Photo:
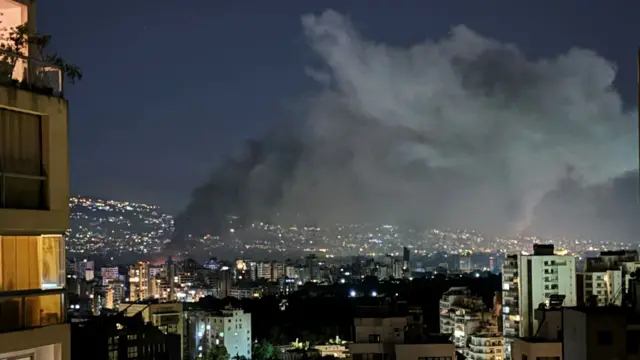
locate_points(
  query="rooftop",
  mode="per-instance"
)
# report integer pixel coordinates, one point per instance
(538, 340)
(429, 339)
(628, 313)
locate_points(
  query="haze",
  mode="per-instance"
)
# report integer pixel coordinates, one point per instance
(462, 131)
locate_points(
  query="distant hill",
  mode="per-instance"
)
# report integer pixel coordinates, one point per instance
(111, 227)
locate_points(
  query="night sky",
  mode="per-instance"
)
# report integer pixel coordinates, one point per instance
(171, 88)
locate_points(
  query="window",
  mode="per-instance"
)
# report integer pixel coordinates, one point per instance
(31, 262)
(31, 311)
(132, 352)
(22, 178)
(605, 338)
(374, 338)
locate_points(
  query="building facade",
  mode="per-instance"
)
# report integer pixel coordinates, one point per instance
(34, 199)
(229, 327)
(530, 281)
(386, 338)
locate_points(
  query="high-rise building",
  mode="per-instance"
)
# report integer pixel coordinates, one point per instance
(277, 270)
(531, 280)
(406, 257)
(34, 199)
(263, 270)
(139, 277)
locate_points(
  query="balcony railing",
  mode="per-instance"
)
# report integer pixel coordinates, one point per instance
(30, 74)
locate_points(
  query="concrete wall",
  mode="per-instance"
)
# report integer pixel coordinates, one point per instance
(535, 350)
(391, 330)
(416, 351)
(581, 334)
(54, 113)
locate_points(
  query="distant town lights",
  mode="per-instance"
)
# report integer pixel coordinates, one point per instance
(342, 281)
(352, 293)
(374, 293)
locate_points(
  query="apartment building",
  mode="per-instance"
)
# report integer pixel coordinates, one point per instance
(532, 280)
(456, 303)
(140, 281)
(168, 317)
(34, 199)
(385, 338)
(485, 346)
(606, 278)
(230, 327)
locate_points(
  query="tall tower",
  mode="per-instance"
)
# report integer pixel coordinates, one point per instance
(34, 199)
(172, 276)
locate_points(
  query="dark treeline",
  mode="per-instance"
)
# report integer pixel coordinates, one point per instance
(319, 313)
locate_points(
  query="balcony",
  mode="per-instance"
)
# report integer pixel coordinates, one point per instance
(30, 74)
(28, 310)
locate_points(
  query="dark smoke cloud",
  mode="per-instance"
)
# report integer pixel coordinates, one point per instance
(465, 132)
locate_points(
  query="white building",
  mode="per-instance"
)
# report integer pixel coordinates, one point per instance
(604, 286)
(605, 278)
(531, 280)
(229, 327)
(454, 295)
(486, 346)
(455, 304)
(468, 322)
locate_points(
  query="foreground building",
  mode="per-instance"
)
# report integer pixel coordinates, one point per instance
(229, 327)
(530, 281)
(167, 317)
(582, 333)
(119, 337)
(34, 200)
(385, 338)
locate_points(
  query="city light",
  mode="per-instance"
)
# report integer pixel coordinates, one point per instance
(352, 293)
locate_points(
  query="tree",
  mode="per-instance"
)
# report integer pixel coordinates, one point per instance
(239, 357)
(263, 351)
(217, 352)
(15, 46)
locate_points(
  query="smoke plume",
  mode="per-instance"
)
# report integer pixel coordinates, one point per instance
(465, 131)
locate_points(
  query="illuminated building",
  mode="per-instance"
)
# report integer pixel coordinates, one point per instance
(34, 199)
(229, 327)
(166, 316)
(485, 346)
(532, 280)
(139, 277)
